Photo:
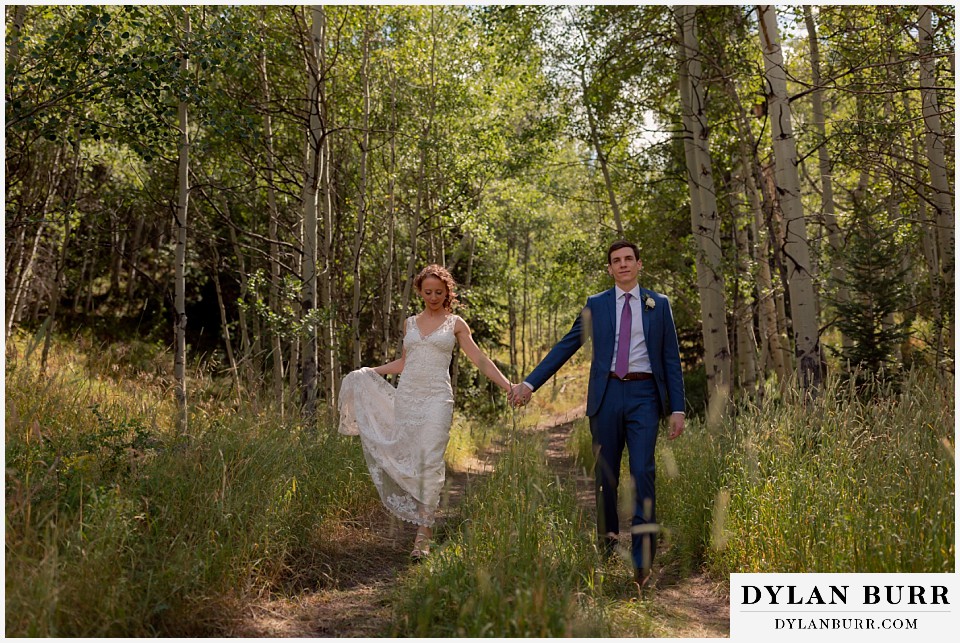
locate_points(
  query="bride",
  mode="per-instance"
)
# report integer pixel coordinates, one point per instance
(404, 431)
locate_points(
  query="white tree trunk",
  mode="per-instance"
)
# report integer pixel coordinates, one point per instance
(328, 351)
(803, 303)
(772, 348)
(422, 191)
(940, 196)
(56, 289)
(24, 275)
(274, 302)
(746, 339)
(134, 260)
(13, 38)
(834, 236)
(225, 326)
(704, 217)
(311, 187)
(247, 361)
(180, 329)
(771, 343)
(388, 327)
(362, 202)
(772, 223)
(601, 156)
(27, 260)
(924, 222)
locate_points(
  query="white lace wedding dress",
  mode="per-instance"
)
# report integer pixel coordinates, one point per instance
(404, 431)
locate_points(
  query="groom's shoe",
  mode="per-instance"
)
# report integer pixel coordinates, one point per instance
(608, 546)
(642, 579)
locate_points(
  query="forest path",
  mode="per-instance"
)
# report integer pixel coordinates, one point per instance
(352, 596)
(693, 606)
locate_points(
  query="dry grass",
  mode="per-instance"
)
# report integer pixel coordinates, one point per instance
(115, 526)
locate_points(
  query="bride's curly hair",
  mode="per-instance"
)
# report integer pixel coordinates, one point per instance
(441, 273)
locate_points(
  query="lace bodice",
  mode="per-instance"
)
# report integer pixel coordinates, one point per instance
(427, 364)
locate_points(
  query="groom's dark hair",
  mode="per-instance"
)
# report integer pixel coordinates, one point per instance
(617, 245)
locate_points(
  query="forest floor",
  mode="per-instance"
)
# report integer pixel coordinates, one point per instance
(354, 599)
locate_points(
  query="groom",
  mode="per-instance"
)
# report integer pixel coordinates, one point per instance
(635, 378)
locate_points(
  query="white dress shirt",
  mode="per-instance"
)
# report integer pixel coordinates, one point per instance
(639, 358)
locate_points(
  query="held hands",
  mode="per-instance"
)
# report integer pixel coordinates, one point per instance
(519, 395)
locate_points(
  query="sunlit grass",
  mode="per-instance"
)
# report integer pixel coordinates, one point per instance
(560, 396)
(468, 440)
(562, 393)
(520, 560)
(116, 527)
(843, 483)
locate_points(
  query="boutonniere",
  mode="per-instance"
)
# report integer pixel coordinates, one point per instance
(649, 303)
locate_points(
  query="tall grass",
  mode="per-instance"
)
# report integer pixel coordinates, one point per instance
(847, 482)
(114, 527)
(521, 561)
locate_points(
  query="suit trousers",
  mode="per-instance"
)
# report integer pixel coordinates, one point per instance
(628, 415)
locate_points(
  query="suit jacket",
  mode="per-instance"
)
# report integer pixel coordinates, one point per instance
(598, 319)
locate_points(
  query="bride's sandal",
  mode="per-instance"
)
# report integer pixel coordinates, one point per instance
(421, 546)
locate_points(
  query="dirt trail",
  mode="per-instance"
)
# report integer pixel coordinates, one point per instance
(684, 606)
(352, 599)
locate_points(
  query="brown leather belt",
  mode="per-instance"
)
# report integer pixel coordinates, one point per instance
(632, 376)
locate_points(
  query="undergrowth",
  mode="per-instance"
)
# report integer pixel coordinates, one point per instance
(852, 480)
(117, 526)
(521, 560)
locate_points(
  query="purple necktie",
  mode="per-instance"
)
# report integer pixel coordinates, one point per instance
(623, 342)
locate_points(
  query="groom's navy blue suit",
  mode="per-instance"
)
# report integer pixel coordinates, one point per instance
(624, 411)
